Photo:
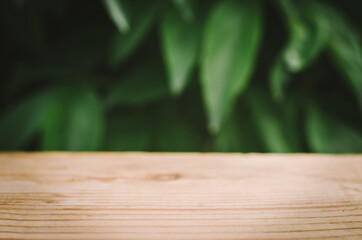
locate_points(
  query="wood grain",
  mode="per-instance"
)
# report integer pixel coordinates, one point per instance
(180, 196)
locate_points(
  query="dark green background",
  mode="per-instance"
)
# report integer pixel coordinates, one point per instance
(72, 81)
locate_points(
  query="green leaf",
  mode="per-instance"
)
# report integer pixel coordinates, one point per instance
(127, 132)
(271, 124)
(328, 134)
(185, 8)
(229, 139)
(19, 124)
(145, 85)
(308, 33)
(345, 48)
(280, 75)
(308, 30)
(238, 135)
(229, 48)
(121, 45)
(74, 122)
(180, 47)
(117, 14)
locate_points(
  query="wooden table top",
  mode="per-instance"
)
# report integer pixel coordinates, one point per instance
(180, 196)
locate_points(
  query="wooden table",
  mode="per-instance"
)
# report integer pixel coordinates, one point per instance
(180, 196)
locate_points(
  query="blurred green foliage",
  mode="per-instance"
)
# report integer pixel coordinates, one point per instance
(181, 75)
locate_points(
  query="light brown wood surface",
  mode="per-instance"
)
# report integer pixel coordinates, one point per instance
(180, 196)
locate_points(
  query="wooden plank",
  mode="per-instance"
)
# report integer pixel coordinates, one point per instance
(180, 196)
